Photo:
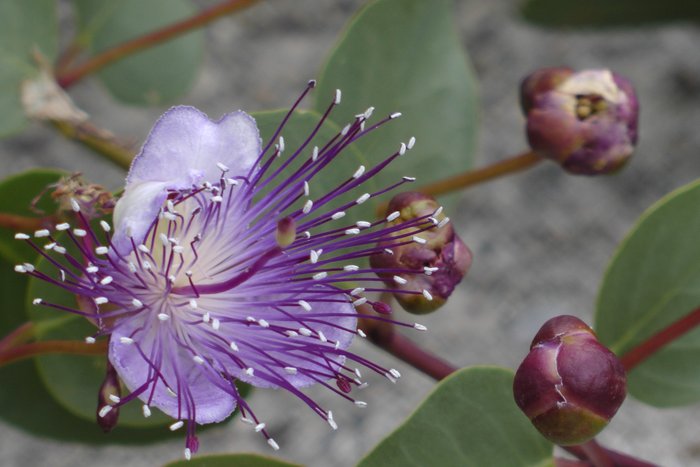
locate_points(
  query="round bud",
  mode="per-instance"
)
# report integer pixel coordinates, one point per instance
(569, 385)
(586, 121)
(438, 259)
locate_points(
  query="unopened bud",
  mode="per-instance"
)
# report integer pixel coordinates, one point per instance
(108, 396)
(569, 385)
(586, 121)
(286, 232)
(438, 256)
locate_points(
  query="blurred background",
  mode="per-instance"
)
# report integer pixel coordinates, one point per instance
(541, 240)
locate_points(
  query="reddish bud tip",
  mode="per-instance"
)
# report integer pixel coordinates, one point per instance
(286, 232)
(108, 400)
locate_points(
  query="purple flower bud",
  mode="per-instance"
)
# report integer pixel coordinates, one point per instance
(108, 400)
(569, 385)
(586, 120)
(422, 267)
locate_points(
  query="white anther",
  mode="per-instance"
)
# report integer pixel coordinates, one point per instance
(101, 250)
(390, 377)
(146, 265)
(361, 333)
(163, 239)
(359, 172)
(363, 198)
(37, 301)
(353, 231)
(427, 295)
(114, 398)
(443, 222)
(368, 112)
(250, 319)
(146, 410)
(345, 130)
(74, 205)
(400, 280)
(92, 269)
(428, 270)
(361, 404)
(305, 305)
(42, 233)
(20, 269)
(231, 182)
(79, 232)
(290, 370)
(419, 240)
(177, 425)
(322, 337)
(338, 215)
(50, 246)
(291, 333)
(101, 300)
(59, 249)
(357, 291)
(305, 332)
(319, 276)
(263, 323)
(393, 216)
(250, 371)
(193, 303)
(395, 373)
(104, 411)
(360, 301)
(198, 360)
(247, 420)
(105, 226)
(395, 115)
(206, 317)
(311, 83)
(306, 234)
(437, 212)
(222, 167)
(179, 249)
(63, 275)
(314, 153)
(363, 224)
(215, 324)
(351, 267)
(313, 256)
(307, 206)
(126, 340)
(188, 454)
(331, 422)
(408, 179)
(402, 149)
(420, 327)
(62, 227)
(388, 251)
(307, 189)
(106, 280)
(337, 345)
(170, 392)
(357, 372)
(170, 216)
(234, 347)
(411, 142)
(136, 303)
(273, 444)
(217, 199)
(362, 385)
(259, 427)
(29, 267)
(22, 236)
(338, 95)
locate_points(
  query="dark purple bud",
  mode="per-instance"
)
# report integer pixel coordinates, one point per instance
(431, 264)
(344, 385)
(569, 385)
(108, 399)
(381, 308)
(586, 121)
(286, 232)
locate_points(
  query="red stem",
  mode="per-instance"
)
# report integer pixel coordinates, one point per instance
(18, 223)
(638, 354)
(21, 352)
(407, 350)
(22, 334)
(69, 77)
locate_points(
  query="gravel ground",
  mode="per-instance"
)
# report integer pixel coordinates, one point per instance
(541, 240)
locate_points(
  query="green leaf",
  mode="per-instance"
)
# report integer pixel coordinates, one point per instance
(157, 75)
(295, 132)
(17, 195)
(606, 13)
(229, 460)
(405, 56)
(470, 419)
(24, 26)
(652, 281)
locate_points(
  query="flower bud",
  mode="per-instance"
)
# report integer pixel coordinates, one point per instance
(107, 400)
(569, 385)
(440, 258)
(586, 121)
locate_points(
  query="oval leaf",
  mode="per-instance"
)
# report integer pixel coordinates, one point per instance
(606, 13)
(652, 281)
(470, 419)
(24, 27)
(156, 75)
(228, 460)
(405, 56)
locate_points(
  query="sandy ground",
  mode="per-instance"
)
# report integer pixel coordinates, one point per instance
(541, 240)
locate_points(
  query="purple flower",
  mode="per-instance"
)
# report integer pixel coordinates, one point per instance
(220, 267)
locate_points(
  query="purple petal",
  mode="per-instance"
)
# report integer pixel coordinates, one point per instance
(212, 403)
